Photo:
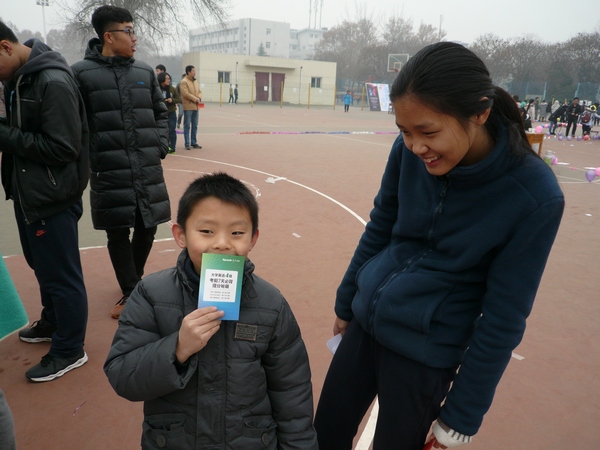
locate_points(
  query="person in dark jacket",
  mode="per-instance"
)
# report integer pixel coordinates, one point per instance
(207, 383)
(555, 117)
(172, 99)
(44, 145)
(573, 112)
(448, 267)
(129, 137)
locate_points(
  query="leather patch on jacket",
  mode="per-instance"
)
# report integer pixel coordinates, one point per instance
(245, 332)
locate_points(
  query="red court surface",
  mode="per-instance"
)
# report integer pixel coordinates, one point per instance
(315, 191)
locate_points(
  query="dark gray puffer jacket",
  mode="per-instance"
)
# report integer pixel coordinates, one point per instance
(249, 388)
(129, 137)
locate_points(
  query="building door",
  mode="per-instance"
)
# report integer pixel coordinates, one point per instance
(276, 80)
(262, 86)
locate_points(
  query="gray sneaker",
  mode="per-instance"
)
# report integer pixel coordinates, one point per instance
(39, 331)
(51, 367)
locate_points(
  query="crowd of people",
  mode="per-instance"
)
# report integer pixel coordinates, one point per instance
(417, 303)
(572, 114)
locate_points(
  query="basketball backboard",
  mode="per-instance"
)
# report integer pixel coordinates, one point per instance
(396, 61)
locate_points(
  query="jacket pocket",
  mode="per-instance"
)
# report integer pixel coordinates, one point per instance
(164, 431)
(262, 432)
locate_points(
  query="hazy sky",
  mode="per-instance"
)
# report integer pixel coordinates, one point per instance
(463, 20)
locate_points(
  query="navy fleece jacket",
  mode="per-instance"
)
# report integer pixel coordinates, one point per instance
(454, 262)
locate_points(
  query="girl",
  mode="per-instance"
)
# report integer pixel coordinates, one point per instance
(171, 98)
(447, 269)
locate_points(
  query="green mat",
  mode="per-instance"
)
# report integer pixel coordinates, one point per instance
(12, 312)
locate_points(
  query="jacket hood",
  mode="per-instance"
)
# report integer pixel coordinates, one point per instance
(94, 52)
(42, 58)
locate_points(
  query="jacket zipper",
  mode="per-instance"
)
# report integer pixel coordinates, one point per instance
(436, 212)
(18, 101)
(52, 179)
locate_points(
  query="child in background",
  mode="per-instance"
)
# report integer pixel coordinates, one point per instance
(207, 383)
(448, 267)
(347, 101)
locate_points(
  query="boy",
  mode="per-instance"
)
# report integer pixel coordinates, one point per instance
(44, 148)
(129, 137)
(251, 377)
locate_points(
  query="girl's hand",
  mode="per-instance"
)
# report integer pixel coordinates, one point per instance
(339, 326)
(433, 443)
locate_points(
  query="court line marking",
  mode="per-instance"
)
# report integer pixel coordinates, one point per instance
(331, 199)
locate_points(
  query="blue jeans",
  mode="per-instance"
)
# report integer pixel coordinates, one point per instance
(51, 248)
(179, 114)
(172, 129)
(190, 118)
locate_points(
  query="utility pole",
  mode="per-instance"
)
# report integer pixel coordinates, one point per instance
(43, 4)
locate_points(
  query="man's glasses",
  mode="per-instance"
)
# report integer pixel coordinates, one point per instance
(129, 31)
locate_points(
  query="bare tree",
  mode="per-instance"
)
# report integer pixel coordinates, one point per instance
(159, 21)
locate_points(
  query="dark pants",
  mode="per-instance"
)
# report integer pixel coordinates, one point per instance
(571, 122)
(51, 248)
(410, 395)
(230, 98)
(172, 118)
(346, 108)
(586, 129)
(129, 257)
(553, 126)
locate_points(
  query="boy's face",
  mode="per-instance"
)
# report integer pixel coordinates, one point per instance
(120, 40)
(9, 61)
(216, 227)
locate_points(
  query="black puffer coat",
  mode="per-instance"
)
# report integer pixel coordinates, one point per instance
(248, 389)
(129, 137)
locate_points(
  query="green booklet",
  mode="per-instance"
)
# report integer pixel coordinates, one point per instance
(221, 283)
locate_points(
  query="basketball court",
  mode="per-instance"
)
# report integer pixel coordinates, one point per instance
(315, 173)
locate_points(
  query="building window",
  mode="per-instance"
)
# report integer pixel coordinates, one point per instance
(224, 77)
(268, 45)
(268, 31)
(315, 82)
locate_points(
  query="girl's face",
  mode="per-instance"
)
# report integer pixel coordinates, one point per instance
(167, 81)
(440, 140)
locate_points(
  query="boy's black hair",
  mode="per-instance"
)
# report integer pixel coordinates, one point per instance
(188, 69)
(221, 186)
(6, 34)
(106, 16)
(161, 67)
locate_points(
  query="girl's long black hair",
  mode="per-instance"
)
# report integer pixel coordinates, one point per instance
(451, 79)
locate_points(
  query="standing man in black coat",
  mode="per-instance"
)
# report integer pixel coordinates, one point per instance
(44, 146)
(129, 137)
(573, 112)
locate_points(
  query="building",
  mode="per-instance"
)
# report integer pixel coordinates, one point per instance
(303, 42)
(249, 36)
(243, 37)
(263, 78)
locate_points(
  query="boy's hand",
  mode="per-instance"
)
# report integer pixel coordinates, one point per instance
(196, 329)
